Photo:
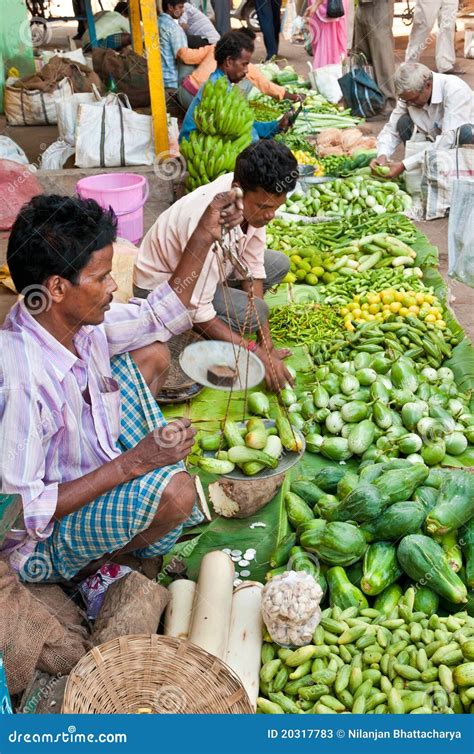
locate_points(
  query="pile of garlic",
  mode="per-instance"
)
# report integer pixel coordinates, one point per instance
(290, 608)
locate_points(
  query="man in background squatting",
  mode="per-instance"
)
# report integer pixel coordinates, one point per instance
(83, 440)
(265, 172)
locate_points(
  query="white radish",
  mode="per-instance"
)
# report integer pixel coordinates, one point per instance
(210, 619)
(179, 609)
(245, 636)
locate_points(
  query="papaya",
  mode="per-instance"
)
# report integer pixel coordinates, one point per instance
(297, 510)
(349, 481)
(466, 540)
(337, 543)
(424, 561)
(307, 490)
(371, 472)
(427, 496)
(342, 593)
(400, 484)
(354, 572)
(397, 520)
(426, 601)
(454, 506)
(388, 600)
(328, 477)
(381, 567)
(364, 503)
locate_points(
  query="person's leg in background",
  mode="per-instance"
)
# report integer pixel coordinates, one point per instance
(222, 15)
(265, 18)
(79, 10)
(425, 15)
(350, 24)
(276, 12)
(445, 42)
(373, 35)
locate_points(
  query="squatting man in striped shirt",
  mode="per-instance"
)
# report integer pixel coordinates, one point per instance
(83, 441)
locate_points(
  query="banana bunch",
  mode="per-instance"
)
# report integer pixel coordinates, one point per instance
(208, 156)
(224, 128)
(223, 110)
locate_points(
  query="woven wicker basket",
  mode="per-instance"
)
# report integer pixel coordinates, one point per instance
(158, 674)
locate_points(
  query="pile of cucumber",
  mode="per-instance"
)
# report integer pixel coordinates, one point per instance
(375, 408)
(253, 448)
(391, 658)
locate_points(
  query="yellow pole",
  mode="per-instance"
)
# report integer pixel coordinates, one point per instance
(155, 76)
(134, 9)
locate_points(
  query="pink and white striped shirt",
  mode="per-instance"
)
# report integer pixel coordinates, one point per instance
(48, 433)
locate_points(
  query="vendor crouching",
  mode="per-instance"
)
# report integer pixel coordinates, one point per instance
(83, 440)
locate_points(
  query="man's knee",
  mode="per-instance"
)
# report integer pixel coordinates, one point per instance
(405, 127)
(154, 362)
(178, 498)
(277, 265)
(466, 134)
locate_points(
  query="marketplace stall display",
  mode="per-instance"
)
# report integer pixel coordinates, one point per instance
(371, 533)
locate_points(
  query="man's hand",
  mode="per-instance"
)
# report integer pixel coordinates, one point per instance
(294, 97)
(276, 373)
(396, 169)
(378, 161)
(225, 211)
(164, 446)
(285, 122)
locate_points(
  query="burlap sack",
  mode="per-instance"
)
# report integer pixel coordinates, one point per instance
(47, 79)
(128, 70)
(40, 627)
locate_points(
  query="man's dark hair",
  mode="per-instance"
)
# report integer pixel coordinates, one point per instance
(122, 8)
(231, 44)
(268, 165)
(171, 4)
(247, 32)
(57, 235)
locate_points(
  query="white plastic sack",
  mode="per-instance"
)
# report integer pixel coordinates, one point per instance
(461, 233)
(440, 170)
(289, 20)
(29, 107)
(67, 108)
(110, 134)
(9, 150)
(54, 157)
(325, 81)
(77, 56)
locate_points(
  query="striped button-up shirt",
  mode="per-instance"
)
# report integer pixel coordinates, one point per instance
(49, 434)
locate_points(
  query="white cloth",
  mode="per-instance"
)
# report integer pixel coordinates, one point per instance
(426, 13)
(107, 23)
(198, 24)
(451, 105)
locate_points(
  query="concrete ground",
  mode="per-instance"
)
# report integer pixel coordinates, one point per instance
(35, 139)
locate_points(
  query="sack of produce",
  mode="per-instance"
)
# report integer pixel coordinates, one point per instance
(290, 608)
(461, 232)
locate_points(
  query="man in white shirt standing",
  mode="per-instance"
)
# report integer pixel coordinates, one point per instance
(437, 104)
(426, 13)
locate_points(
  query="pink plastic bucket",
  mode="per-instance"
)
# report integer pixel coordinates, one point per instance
(126, 193)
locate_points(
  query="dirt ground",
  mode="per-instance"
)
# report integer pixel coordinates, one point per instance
(35, 139)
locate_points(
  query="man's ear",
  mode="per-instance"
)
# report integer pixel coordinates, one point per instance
(57, 288)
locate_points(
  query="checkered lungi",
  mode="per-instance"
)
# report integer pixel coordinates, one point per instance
(112, 520)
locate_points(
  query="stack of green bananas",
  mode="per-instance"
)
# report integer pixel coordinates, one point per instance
(208, 157)
(223, 110)
(224, 128)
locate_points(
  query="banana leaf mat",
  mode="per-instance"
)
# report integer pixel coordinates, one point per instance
(208, 409)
